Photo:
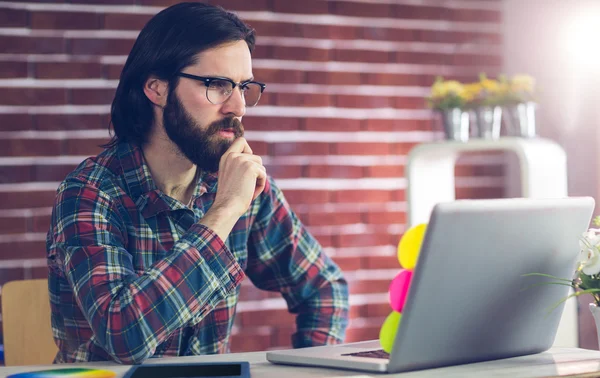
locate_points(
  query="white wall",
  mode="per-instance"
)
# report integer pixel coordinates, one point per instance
(558, 42)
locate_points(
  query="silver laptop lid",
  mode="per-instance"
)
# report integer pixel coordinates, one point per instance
(448, 320)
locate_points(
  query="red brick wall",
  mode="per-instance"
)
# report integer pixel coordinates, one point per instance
(344, 105)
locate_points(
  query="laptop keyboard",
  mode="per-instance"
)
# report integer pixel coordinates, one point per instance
(371, 354)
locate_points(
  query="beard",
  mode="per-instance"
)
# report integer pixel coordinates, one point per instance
(201, 145)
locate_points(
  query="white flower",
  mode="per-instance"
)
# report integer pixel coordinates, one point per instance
(589, 256)
(590, 238)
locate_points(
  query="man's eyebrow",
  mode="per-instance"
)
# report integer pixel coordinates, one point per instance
(251, 79)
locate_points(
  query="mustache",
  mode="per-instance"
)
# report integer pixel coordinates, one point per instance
(229, 123)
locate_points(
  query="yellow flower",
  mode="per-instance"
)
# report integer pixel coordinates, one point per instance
(441, 89)
(490, 86)
(522, 83)
(471, 91)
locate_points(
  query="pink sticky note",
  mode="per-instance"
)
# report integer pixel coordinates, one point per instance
(399, 289)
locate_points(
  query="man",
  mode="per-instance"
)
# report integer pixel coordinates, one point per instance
(150, 239)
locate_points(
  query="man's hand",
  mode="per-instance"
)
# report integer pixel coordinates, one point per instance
(242, 178)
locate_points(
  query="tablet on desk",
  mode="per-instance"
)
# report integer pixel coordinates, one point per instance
(191, 370)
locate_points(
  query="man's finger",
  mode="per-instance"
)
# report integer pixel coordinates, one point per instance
(239, 145)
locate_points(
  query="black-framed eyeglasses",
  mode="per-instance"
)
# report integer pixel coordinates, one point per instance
(219, 89)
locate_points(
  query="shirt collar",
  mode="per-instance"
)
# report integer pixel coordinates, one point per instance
(142, 189)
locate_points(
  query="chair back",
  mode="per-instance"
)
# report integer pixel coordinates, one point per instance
(26, 325)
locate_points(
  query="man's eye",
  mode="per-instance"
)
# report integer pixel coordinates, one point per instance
(220, 85)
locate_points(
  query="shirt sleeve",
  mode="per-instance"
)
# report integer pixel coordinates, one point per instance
(131, 314)
(283, 256)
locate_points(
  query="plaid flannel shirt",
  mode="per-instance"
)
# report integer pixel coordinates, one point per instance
(133, 275)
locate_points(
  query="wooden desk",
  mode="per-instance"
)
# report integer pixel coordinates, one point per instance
(556, 362)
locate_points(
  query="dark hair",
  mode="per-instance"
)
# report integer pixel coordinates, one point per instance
(168, 43)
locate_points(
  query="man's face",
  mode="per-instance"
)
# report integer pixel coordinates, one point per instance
(201, 130)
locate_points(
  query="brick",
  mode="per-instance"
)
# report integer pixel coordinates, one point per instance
(477, 15)
(258, 148)
(363, 240)
(345, 32)
(84, 147)
(297, 197)
(304, 7)
(51, 173)
(257, 318)
(115, 2)
(11, 274)
(325, 241)
(16, 122)
(388, 34)
(256, 123)
(298, 148)
(334, 171)
(274, 28)
(13, 18)
(333, 78)
(371, 102)
(301, 53)
(385, 171)
(13, 225)
(284, 171)
(95, 96)
(279, 76)
(332, 124)
(113, 71)
(65, 20)
(268, 98)
(332, 219)
(396, 125)
(409, 103)
(403, 148)
(392, 79)
(349, 8)
(22, 250)
(357, 311)
(236, 5)
(40, 223)
(399, 195)
(363, 56)
(409, 57)
(29, 147)
(348, 264)
(363, 196)
(282, 337)
(263, 52)
(70, 121)
(367, 333)
(479, 193)
(369, 286)
(106, 46)
(420, 12)
(33, 96)
(38, 272)
(381, 262)
(475, 60)
(23, 199)
(68, 70)
(385, 217)
(249, 341)
(357, 148)
(13, 70)
(249, 292)
(125, 21)
(375, 310)
(14, 174)
(303, 99)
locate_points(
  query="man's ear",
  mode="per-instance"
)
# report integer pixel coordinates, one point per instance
(156, 90)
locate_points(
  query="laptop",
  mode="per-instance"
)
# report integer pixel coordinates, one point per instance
(469, 300)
